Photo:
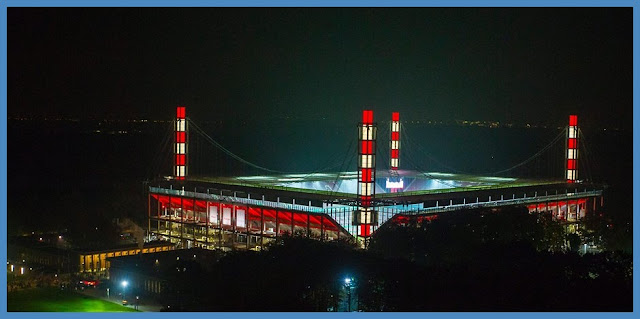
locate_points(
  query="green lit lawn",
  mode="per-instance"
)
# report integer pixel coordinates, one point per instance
(54, 300)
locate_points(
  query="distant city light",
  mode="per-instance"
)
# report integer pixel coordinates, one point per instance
(125, 283)
(347, 281)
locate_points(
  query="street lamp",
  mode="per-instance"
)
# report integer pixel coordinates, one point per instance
(124, 286)
(347, 285)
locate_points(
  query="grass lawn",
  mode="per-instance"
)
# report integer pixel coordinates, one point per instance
(55, 300)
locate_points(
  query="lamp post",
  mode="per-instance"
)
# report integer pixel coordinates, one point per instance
(348, 284)
(124, 286)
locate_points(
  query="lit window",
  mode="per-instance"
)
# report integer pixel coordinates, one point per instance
(367, 132)
(180, 148)
(226, 216)
(366, 215)
(572, 132)
(180, 125)
(213, 214)
(366, 161)
(365, 189)
(240, 220)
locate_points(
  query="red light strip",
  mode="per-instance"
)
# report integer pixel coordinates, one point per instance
(181, 112)
(367, 117)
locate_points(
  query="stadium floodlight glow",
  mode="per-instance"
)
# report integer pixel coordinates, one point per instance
(571, 153)
(499, 179)
(439, 174)
(250, 178)
(181, 144)
(290, 179)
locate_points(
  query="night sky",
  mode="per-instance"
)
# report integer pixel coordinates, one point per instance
(516, 65)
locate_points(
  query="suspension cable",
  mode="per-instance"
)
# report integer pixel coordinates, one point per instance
(587, 155)
(160, 157)
(552, 143)
(240, 159)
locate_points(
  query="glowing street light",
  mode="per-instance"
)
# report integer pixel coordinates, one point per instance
(348, 283)
(124, 284)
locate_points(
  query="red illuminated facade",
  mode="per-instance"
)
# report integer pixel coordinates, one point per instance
(572, 149)
(180, 146)
(365, 217)
(570, 210)
(227, 225)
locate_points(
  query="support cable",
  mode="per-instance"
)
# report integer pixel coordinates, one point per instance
(552, 143)
(240, 159)
(587, 155)
(161, 157)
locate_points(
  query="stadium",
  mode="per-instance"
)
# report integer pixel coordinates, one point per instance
(249, 212)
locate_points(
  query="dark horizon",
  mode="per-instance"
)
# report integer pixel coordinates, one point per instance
(488, 64)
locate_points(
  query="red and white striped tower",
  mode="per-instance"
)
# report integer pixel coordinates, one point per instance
(572, 149)
(366, 216)
(395, 141)
(394, 182)
(180, 147)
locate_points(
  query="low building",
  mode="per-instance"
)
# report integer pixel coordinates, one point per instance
(76, 260)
